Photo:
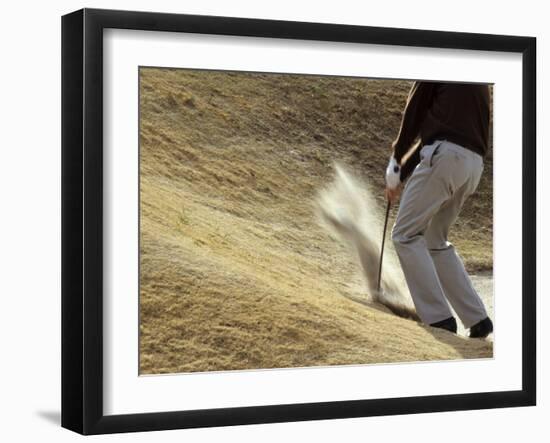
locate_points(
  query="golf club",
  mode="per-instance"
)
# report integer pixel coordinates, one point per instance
(382, 248)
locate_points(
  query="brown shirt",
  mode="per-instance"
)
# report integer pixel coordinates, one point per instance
(457, 112)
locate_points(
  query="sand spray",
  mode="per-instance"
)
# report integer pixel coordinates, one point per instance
(348, 208)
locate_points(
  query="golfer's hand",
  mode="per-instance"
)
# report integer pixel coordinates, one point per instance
(392, 194)
(393, 180)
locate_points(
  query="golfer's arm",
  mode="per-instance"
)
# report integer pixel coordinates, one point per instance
(408, 167)
(418, 102)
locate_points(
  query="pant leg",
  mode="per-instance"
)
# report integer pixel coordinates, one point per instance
(431, 185)
(454, 279)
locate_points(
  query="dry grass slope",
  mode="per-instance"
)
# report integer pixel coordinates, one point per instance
(236, 272)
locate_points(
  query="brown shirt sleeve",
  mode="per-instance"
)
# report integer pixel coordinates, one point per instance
(408, 167)
(419, 101)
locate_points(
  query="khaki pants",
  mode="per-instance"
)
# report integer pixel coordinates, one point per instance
(431, 201)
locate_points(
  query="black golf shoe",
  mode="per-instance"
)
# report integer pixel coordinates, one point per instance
(448, 324)
(481, 329)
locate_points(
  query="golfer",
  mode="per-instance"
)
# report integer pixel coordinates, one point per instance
(451, 120)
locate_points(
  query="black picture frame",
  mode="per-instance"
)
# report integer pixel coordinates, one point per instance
(82, 218)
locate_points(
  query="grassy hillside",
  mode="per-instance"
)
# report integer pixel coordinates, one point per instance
(236, 272)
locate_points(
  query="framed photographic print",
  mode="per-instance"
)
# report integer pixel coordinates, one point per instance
(267, 221)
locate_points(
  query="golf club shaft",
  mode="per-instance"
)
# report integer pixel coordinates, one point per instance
(383, 241)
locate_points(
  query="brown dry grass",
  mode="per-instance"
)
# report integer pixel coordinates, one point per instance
(236, 273)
